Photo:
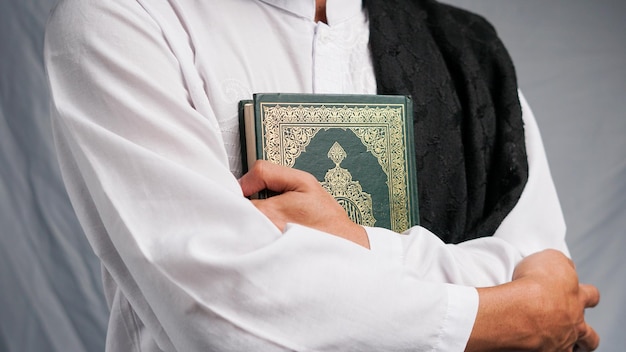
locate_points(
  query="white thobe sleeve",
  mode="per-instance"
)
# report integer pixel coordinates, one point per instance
(534, 224)
(200, 267)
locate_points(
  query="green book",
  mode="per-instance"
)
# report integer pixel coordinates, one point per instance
(359, 147)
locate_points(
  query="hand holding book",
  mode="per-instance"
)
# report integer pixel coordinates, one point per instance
(302, 200)
(358, 147)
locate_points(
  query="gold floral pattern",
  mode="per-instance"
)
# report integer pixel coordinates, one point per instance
(348, 193)
(288, 128)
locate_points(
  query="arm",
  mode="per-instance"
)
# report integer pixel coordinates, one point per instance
(535, 319)
(198, 265)
(147, 173)
(541, 309)
(536, 223)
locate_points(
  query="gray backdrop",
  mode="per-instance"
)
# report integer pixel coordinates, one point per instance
(570, 56)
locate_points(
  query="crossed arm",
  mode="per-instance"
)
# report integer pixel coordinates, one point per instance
(147, 170)
(541, 309)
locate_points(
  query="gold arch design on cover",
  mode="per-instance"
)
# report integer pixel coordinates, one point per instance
(287, 128)
(348, 193)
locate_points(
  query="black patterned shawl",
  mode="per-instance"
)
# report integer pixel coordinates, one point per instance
(470, 149)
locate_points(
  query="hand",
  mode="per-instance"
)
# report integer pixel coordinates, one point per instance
(557, 278)
(302, 200)
(542, 309)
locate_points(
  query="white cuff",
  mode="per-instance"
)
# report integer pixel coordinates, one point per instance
(460, 318)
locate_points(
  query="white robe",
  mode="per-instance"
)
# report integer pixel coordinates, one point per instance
(145, 99)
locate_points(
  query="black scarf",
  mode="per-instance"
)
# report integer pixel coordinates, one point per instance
(470, 149)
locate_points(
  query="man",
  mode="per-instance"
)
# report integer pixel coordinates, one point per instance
(145, 97)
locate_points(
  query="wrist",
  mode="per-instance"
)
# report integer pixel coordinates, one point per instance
(506, 318)
(358, 235)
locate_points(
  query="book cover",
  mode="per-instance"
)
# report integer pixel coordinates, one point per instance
(359, 147)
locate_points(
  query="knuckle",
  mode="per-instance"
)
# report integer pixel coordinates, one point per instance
(582, 329)
(308, 178)
(259, 167)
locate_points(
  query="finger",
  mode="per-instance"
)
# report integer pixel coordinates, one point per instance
(588, 341)
(268, 208)
(253, 181)
(589, 295)
(266, 175)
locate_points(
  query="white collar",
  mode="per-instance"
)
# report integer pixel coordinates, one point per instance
(337, 11)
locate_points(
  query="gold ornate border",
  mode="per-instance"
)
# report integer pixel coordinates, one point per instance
(288, 128)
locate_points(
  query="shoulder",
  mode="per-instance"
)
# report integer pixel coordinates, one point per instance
(463, 31)
(468, 24)
(85, 23)
(468, 18)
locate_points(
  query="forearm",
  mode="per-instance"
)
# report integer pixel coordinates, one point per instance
(542, 309)
(503, 320)
(200, 266)
(478, 263)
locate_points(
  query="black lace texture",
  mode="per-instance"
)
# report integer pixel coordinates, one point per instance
(470, 148)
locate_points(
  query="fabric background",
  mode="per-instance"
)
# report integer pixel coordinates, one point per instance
(571, 62)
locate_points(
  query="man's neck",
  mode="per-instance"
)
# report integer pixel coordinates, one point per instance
(320, 11)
